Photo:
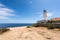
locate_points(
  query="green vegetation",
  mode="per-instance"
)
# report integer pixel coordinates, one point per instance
(28, 26)
(50, 27)
(3, 30)
(36, 25)
(49, 24)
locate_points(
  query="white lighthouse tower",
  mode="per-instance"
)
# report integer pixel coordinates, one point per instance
(45, 15)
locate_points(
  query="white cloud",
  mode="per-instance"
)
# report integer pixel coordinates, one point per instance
(3, 17)
(49, 14)
(1, 5)
(5, 12)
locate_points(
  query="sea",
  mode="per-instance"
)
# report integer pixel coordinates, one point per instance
(9, 25)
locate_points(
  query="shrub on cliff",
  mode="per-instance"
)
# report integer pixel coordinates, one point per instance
(3, 30)
(36, 25)
(28, 26)
(50, 27)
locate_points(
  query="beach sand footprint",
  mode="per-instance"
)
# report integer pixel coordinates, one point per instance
(32, 36)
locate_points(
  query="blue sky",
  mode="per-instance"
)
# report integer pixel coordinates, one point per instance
(27, 11)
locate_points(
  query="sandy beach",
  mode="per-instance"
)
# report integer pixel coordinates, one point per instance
(23, 33)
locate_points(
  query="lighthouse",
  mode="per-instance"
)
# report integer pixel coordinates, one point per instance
(44, 15)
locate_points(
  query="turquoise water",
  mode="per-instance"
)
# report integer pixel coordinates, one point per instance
(7, 25)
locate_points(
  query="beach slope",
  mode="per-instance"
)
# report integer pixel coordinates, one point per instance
(32, 33)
